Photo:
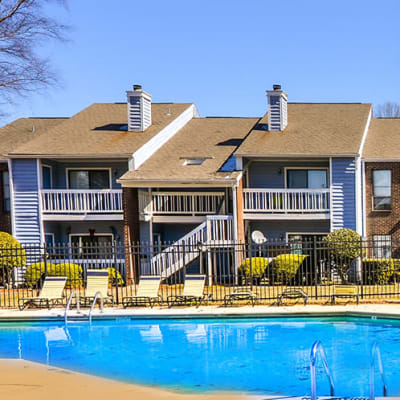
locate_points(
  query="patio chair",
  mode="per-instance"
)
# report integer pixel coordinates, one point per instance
(241, 293)
(345, 291)
(96, 281)
(193, 292)
(292, 293)
(147, 292)
(50, 294)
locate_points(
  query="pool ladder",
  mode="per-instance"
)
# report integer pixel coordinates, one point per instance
(67, 307)
(375, 356)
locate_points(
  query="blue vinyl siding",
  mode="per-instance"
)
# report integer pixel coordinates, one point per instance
(26, 201)
(271, 174)
(343, 185)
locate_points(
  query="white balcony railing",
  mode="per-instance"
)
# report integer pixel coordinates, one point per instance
(277, 201)
(188, 203)
(81, 201)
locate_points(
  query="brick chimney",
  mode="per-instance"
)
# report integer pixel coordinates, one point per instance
(277, 109)
(139, 109)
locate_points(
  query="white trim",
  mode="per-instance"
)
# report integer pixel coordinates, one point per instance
(330, 196)
(156, 142)
(306, 168)
(12, 214)
(51, 175)
(365, 133)
(295, 155)
(359, 180)
(83, 217)
(52, 234)
(239, 163)
(109, 169)
(364, 200)
(74, 156)
(176, 183)
(286, 217)
(39, 197)
(381, 160)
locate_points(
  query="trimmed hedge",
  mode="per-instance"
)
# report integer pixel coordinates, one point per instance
(255, 265)
(285, 266)
(113, 275)
(73, 272)
(12, 254)
(378, 270)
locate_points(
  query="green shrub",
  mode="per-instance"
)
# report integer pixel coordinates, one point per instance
(378, 270)
(113, 275)
(73, 272)
(344, 246)
(254, 266)
(34, 272)
(12, 254)
(285, 266)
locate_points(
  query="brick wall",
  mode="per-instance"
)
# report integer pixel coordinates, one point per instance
(5, 218)
(383, 222)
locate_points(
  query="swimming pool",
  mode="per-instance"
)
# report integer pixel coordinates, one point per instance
(254, 355)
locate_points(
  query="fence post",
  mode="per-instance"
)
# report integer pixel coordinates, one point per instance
(361, 267)
(44, 259)
(116, 270)
(315, 266)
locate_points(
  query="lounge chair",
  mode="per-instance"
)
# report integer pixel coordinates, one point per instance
(292, 293)
(193, 292)
(147, 292)
(345, 291)
(241, 293)
(50, 294)
(96, 281)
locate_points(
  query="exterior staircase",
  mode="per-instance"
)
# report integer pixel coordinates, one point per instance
(215, 231)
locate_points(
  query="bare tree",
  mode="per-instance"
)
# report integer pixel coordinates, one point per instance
(24, 28)
(387, 110)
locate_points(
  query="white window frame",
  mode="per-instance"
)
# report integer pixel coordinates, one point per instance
(391, 190)
(286, 169)
(88, 169)
(88, 234)
(386, 240)
(51, 174)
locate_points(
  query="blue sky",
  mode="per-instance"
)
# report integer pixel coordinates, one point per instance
(222, 55)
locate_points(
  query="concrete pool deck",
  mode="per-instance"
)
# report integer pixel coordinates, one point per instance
(21, 380)
(374, 310)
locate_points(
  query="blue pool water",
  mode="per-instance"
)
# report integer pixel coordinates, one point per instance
(269, 356)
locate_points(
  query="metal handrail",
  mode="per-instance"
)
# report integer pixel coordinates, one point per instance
(94, 303)
(73, 291)
(376, 355)
(68, 305)
(317, 346)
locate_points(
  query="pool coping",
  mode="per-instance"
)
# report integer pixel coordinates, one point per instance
(374, 311)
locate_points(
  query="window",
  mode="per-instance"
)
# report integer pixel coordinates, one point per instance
(193, 161)
(89, 179)
(307, 179)
(382, 189)
(46, 177)
(382, 246)
(5, 179)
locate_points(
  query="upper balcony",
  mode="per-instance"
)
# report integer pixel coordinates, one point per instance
(55, 202)
(286, 203)
(190, 205)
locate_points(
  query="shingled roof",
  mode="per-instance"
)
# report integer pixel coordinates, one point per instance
(100, 129)
(211, 139)
(314, 129)
(383, 140)
(22, 131)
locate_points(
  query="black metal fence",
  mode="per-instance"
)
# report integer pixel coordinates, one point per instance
(311, 264)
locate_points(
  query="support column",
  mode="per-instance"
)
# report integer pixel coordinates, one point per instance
(130, 200)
